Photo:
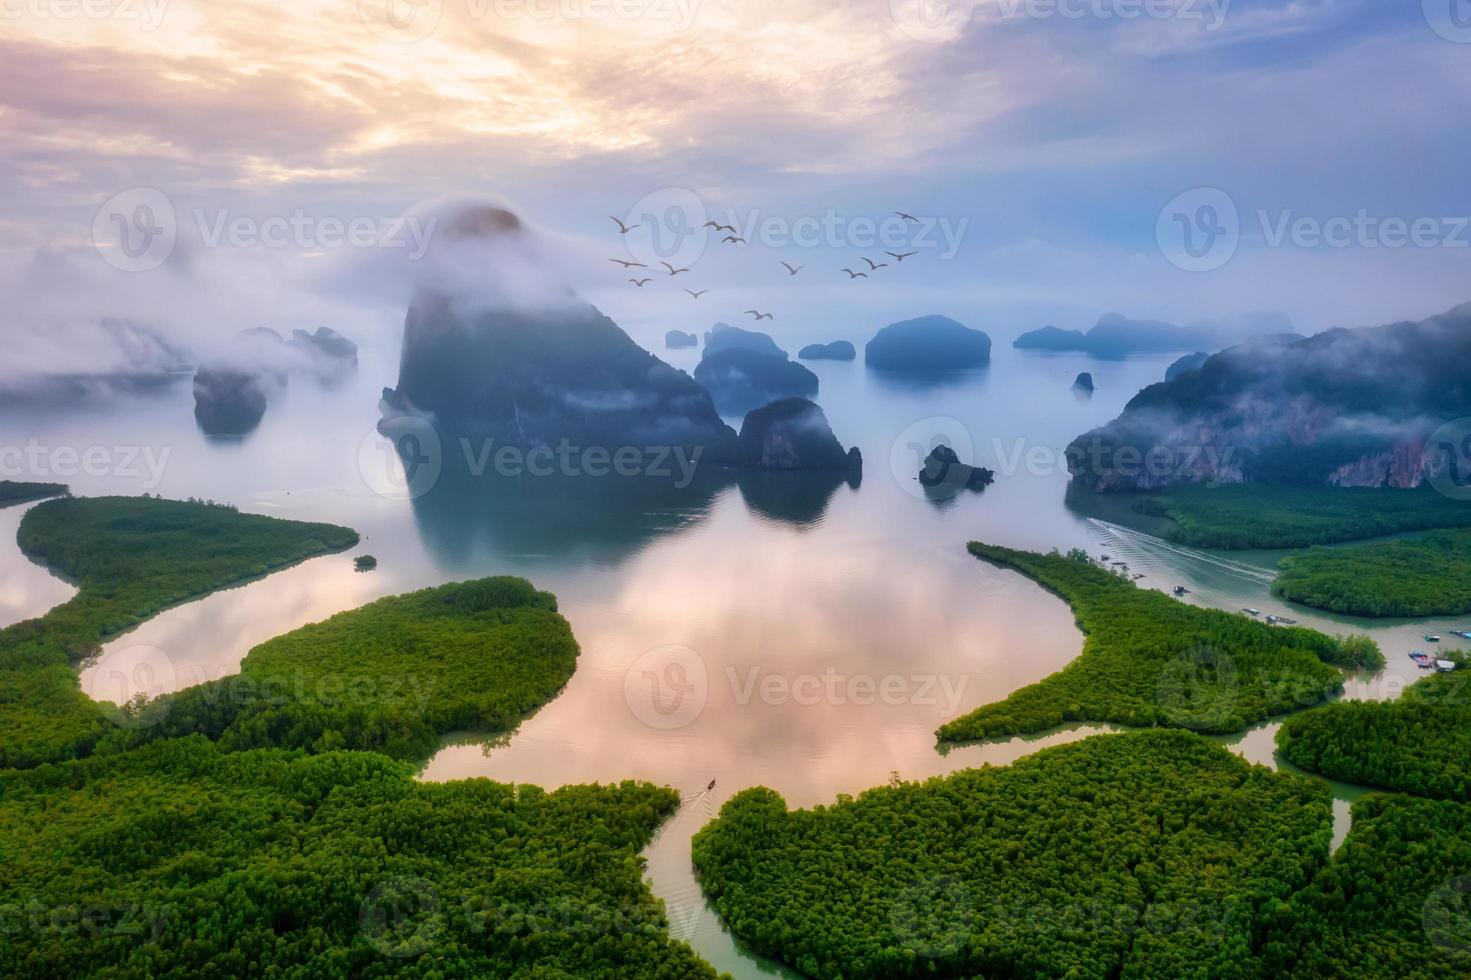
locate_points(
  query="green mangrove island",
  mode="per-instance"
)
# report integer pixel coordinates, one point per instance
(1240, 517)
(131, 558)
(1429, 575)
(1155, 854)
(13, 492)
(1151, 660)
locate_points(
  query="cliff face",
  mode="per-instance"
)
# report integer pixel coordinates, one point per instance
(1349, 408)
(535, 378)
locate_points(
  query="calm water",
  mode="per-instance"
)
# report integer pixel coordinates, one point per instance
(803, 635)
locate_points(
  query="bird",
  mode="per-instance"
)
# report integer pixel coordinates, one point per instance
(792, 270)
(640, 282)
(622, 228)
(734, 238)
(899, 256)
(697, 295)
(759, 316)
(856, 275)
(629, 265)
(672, 270)
(719, 227)
(907, 217)
(872, 265)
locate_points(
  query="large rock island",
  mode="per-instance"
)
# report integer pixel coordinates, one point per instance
(928, 343)
(793, 434)
(1345, 408)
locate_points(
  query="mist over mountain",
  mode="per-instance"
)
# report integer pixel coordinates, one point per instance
(109, 357)
(1347, 407)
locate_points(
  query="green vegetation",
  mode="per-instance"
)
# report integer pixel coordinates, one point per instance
(12, 492)
(364, 563)
(391, 676)
(1391, 904)
(1150, 660)
(1261, 516)
(1149, 855)
(1418, 744)
(131, 557)
(181, 859)
(1425, 576)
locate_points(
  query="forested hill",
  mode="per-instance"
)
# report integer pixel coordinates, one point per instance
(1347, 407)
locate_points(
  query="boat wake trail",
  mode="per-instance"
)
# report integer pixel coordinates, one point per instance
(1146, 552)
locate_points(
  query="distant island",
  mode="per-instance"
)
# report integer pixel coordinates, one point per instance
(740, 379)
(928, 343)
(838, 350)
(1345, 408)
(724, 337)
(1116, 336)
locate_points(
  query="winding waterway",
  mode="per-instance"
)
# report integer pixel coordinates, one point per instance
(809, 638)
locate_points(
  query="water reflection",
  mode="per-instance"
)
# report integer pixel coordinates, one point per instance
(465, 520)
(26, 589)
(797, 499)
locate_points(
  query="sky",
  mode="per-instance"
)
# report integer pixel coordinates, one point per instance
(281, 163)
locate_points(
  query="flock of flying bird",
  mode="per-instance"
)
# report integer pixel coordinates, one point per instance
(735, 239)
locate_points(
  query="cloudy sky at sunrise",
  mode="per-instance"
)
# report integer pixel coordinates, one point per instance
(1041, 143)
